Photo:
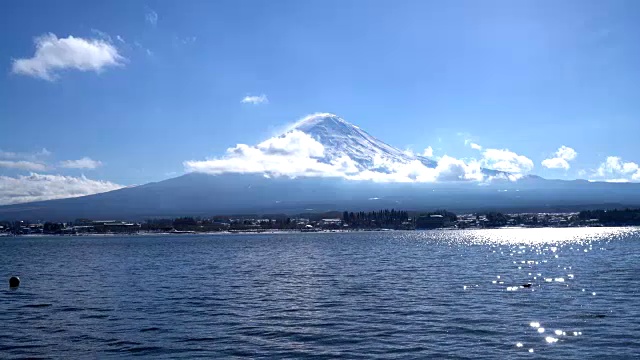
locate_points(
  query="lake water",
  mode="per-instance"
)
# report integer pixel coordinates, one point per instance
(432, 294)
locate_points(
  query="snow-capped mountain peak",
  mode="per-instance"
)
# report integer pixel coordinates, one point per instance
(326, 120)
(341, 138)
(326, 145)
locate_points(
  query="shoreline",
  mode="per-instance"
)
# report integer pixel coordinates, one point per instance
(290, 232)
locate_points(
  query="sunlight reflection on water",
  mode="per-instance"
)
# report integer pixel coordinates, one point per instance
(557, 237)
(542, 252)
(367, 295)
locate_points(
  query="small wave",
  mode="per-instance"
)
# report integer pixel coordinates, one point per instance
(143, 348)
(36, 305)
(150, 329)
(198, 339)
(592, 316)
(94, 316)
(69, 309)
(123, 343)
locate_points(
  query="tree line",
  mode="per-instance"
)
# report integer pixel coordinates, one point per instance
(386, 218)
(612, 217)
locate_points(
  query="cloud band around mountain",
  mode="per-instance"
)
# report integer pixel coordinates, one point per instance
(297, 154)
(38, 187)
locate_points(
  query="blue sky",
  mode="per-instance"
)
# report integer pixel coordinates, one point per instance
(527, 76)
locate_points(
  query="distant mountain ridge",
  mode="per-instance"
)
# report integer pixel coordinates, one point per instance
(198, 194)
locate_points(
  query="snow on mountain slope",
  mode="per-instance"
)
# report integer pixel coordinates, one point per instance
(341, 138)
(325, 145)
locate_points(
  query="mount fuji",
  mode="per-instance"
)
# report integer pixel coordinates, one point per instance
(325, 145)
(341, 138)
(323, 163)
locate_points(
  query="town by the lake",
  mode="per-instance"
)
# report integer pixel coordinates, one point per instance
(329, 221)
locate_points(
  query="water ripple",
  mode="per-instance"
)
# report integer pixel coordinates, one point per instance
(550, 293)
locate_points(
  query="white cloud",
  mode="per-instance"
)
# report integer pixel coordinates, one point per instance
(141, 47)
(298, 154)
(448, 169)
(37, 187)
(54, 54)
(428, 152)
(615, 169)
(255, 100)
(151, 17)
(454, 169)
(36, 156)
(556, 163)
(561, 159)
(187, 40)
(7, 155)
(617, 180)
(24, 161)
(36, 161)
(84, 163)
(295, 143)
(294, 154)
(120, 38)
(505, 160)
(566, 153)
(101, 34)
(23, 165)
